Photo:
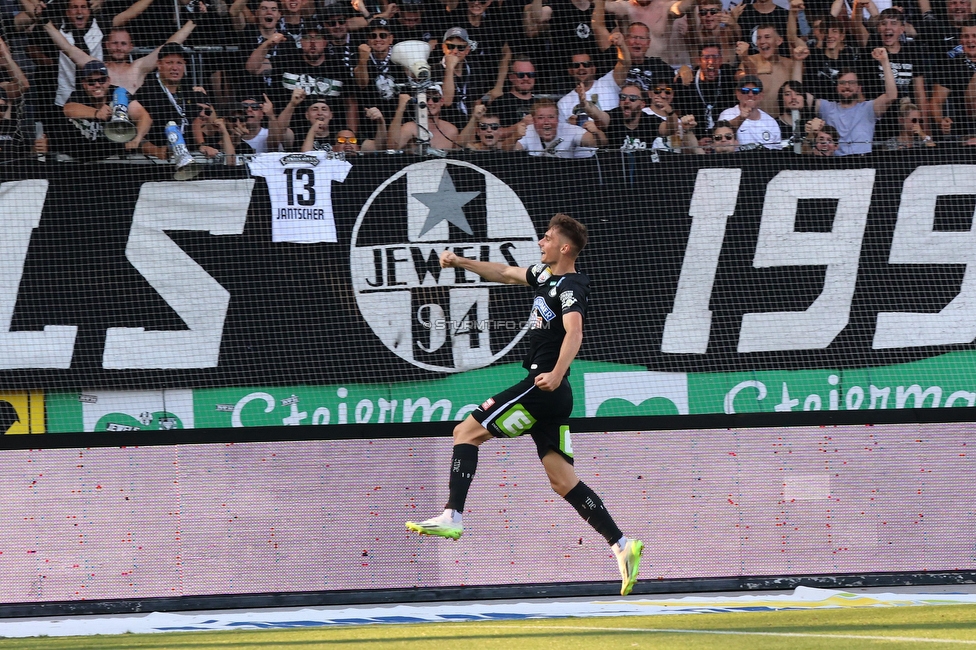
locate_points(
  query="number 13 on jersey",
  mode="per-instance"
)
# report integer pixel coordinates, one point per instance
(300, 187)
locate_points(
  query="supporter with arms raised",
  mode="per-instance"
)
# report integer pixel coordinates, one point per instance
(546, 135)
(348, 143)
(483, 131)
(748, 17)
(676, 130)
(215, 136)
(89, 110)
(754, 127)
(557, 29)
(118, 43)
(375, 74)
(602, 92)
(908, 65)
(466, 80)
(167, 98)
(713, 25)
(645, 69)
(627, 127)
(711, 89)
(771, 68)
(953, 99)
(657, 17)
(853, 117)
(443, 135)
(822, 66)
(265, 48)
(514, 105)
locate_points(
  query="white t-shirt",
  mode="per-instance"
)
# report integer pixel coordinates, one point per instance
(569, 142)
(606, 90)
(764, 131)
(259, 143)
(300, 185)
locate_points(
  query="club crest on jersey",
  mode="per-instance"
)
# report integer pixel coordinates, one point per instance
(442, 320)
(542, 272)
(299, 159)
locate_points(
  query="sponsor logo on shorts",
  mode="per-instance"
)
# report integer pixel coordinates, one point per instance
(515, 421)
(488, 403)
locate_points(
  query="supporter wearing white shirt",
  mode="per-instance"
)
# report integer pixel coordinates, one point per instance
(752, 125)
(546, 135)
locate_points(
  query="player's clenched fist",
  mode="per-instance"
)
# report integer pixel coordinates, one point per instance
(448, 259)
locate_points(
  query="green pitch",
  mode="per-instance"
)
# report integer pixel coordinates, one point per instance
(934, 627)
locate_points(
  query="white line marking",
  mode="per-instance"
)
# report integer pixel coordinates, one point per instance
(861, 637)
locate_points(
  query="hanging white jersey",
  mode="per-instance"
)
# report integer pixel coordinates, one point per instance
(300, 185)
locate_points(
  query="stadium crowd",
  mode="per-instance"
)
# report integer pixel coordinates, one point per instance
(549, 77)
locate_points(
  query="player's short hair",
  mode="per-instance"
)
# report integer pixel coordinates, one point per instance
(572, 230)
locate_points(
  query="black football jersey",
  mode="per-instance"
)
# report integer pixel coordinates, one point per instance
(555, 295)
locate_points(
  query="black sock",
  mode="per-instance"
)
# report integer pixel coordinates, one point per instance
(591, 509)
(463, 466)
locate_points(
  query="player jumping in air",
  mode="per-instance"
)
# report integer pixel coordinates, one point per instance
(541, 403)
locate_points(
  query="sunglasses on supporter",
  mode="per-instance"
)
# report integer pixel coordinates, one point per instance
(380, 35)
(484, 126)
(662, 89)
(629, 97)
(347, 140)
(335, 22)
(91, 81)
(581, 64)
(460, 47)
(434, 98)
(709, 12)
(523, 75)
(253, 106)
(724, 136)
(746, 91)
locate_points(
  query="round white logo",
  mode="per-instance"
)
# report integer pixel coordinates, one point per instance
(445, 320)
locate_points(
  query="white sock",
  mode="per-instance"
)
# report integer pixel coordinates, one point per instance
(453, 515)
(619, 546)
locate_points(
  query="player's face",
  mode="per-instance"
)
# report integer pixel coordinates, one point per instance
(848, 87)
(268, 14)
(890, 31)
(825, 145)
(638, 40)
(119, 45)
(551, 245)
(488, 131)
(172, 68)
(78, 13)
(582, 69)
(710, 62)
(768, 42)
(545, 120)
(346, 142)
(313, 46)
(792, 100)
(522, 76)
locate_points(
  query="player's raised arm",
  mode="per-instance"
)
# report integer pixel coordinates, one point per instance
(490, 271)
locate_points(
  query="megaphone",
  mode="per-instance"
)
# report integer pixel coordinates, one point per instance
(186, 167)
(119, 128)
(412, 55)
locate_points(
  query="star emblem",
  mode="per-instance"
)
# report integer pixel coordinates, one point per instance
(446, 205)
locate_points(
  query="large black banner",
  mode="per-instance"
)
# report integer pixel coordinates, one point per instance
(115, 276)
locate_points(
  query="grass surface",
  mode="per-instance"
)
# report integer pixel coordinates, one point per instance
(948, 626)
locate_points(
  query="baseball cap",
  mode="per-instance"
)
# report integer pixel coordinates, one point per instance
(751, 79)
(93, 68)
(171, 48)
(458, 32)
